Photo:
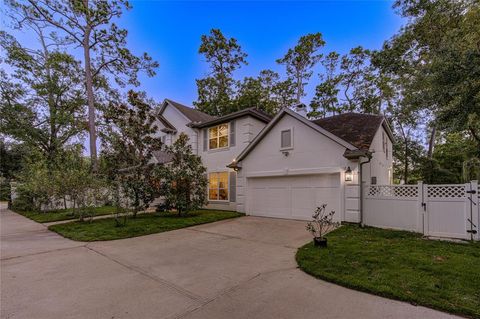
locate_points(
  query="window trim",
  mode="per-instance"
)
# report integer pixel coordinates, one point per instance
(227, 188)
(218, 137)
(291, 139)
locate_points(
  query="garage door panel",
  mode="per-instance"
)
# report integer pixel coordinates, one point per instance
(293, 196)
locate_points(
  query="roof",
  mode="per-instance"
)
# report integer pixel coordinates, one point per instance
(254, 112)
(356, 128)
(192, 114)
(168, 126)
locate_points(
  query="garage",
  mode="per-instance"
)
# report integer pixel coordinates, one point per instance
(294, 197)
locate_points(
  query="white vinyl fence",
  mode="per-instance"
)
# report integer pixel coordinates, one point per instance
(447, 210)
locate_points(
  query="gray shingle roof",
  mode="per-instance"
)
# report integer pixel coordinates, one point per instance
(193, 115)
(355, 128)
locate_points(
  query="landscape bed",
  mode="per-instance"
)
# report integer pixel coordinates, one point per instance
(144, 224)
(399, 265)
(64, 214)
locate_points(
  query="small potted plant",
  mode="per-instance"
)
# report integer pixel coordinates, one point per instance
(321, 224)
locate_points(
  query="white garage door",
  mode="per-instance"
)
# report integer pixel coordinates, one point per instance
(294, 197)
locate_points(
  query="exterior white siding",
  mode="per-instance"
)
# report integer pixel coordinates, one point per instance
(381, 164)
(246, 128)
(312, 154)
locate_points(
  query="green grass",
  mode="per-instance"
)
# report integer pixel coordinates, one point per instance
(105, 229)
(399, 265)
(63, 214)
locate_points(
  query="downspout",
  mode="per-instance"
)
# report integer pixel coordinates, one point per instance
(361, 188)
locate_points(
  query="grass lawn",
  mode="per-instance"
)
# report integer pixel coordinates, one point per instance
(63, 214)
(399, 265)
(105, 229)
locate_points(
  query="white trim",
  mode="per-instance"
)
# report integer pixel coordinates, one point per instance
(290, 147)
(226, 188)
(218, 138)
(296, 171)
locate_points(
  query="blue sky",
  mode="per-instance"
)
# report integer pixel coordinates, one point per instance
(170, 32)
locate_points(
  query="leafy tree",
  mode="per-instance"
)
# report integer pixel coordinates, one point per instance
(437, 54)
(216, 91)
(90, 25)
(265, 92)
(300, 60)
(11, 158)
(449, 156)
(325, 100)
(128, 148)
(42, 102)
(184, 184)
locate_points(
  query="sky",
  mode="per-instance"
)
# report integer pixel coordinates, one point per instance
(170, 32)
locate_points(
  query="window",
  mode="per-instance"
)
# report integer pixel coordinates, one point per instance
(218, 186)
(218, 136)
(286, 139)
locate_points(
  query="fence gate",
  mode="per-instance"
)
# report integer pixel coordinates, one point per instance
(451, 210)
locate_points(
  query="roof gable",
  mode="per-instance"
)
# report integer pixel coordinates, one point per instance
(276, 119)
(193, 115)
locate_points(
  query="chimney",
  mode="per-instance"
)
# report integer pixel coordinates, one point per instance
(301, 109)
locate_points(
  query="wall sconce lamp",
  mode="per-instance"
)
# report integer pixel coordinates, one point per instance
(286, 153)
(348, 175)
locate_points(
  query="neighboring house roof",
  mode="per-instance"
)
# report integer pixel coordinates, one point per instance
(356, 128)
(168, 127)
(162, 157)
(193, 115)
(253, 112)
(302, 119)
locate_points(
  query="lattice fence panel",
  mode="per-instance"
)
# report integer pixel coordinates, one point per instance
(446, 191)
(399, 191)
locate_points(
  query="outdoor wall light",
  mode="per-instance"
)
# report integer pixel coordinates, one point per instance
(286, 153)
(348, 175)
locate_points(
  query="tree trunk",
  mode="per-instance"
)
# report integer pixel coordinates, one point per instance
(89, 89)
(405, 172)
(431, 142)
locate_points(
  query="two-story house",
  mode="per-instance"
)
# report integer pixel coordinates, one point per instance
(287, 165)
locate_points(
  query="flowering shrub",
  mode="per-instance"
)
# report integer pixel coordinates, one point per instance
(322, 222)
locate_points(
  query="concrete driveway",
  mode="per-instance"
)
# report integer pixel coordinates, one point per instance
(240, 268)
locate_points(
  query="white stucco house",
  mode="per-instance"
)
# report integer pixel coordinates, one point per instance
(287, 165)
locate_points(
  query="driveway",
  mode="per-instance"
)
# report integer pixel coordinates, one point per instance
(239, 268)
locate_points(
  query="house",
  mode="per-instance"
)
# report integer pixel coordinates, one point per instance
(287, 165)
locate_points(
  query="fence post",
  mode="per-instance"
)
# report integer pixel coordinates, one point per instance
(475, 210)
(421, 218)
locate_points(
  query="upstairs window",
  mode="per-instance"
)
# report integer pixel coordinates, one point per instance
(286, 139)
(218, 136)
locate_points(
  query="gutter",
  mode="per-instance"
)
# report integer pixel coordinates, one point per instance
(369, 156)
(356, 155)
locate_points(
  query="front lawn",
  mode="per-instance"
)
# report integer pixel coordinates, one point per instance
(400, 265)
(63, 214)
(105, 229)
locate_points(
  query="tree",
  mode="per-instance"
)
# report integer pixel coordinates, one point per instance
(11, 158)
(300, 60)
(265, 92)
(184, 184)
(42, 102)
(438, 56)
(90, 25)
(325, 100)
(128, 148)
(216, 91)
